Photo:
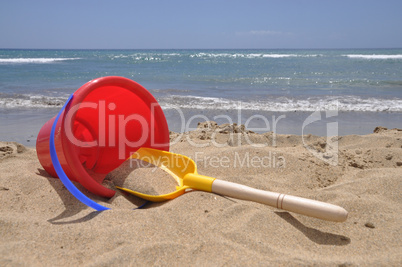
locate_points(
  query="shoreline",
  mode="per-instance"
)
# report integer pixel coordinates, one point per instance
(23, 125)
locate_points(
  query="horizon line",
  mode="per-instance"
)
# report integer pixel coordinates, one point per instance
(313, 48)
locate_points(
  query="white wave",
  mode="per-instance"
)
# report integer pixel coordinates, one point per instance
(374, 56)
(283, 104)
(280, 104)
(288, 55)
(170, 54)
(27, 101)
(251, 55)
(160, 56)
(146, 56)
(33, 60)
(150, 58)
(278, 55)
(119, 56)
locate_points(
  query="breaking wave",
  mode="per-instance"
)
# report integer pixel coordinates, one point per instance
(31, 101)
(374, 56)
(277, 104)
(284, 104)
(33, 60)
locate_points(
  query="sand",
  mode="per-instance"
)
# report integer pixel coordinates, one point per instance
(42, 224)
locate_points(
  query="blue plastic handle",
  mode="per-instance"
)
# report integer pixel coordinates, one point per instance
(60, 172)
(62, 175)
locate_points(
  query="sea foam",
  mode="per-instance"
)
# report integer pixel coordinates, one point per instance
(277, 104)
(374, 56)
(31, 101)
(284, 104)
(249, 55)
(34, 60)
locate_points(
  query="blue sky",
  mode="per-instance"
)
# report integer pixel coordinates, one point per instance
(131, 24)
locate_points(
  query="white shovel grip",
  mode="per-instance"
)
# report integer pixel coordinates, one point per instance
(309, 207)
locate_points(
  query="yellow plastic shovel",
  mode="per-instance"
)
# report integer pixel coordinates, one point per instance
(184, 170)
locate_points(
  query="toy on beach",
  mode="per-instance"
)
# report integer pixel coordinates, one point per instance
(112, 119)
(184, 171)
(98, 128)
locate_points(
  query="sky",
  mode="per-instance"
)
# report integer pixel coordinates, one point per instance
(218, 24)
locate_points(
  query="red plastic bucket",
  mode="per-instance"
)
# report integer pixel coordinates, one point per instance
(106, 121)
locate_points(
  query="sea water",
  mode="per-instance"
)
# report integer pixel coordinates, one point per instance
(364, 86)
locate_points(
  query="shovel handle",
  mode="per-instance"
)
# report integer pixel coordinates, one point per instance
(309, 207)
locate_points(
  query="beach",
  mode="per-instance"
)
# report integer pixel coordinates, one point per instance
(279, 133)
(42, 224)
(320, 124)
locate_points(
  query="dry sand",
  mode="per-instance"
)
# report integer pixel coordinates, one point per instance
(42, 224)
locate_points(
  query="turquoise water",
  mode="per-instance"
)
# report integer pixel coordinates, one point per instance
(270, 80)
(364, 85)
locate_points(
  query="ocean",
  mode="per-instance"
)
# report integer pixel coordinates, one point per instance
(364, 86)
